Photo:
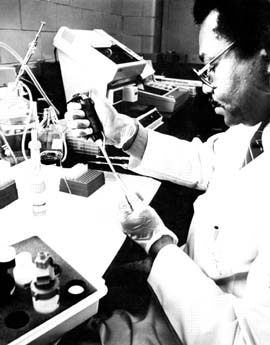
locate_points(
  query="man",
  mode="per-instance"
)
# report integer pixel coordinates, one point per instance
(215, 289)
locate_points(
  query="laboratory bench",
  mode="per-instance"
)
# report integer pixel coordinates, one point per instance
(84, 231)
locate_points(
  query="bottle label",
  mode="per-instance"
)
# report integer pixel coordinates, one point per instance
(57, 144)
(39, 210)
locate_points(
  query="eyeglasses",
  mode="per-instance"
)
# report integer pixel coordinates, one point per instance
(204, 73)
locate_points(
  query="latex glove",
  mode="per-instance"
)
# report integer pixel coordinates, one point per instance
(118, 128)
(143, 224)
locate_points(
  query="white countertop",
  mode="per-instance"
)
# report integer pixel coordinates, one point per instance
(86, 232)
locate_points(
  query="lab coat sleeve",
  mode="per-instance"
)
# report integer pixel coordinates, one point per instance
(196, 307)
(200, 312)
(253, 311)
(175, 160)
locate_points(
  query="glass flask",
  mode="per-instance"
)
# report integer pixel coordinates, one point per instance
(51, 137)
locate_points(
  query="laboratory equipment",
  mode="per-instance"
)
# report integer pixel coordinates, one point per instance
(37, 184)
(83, 185)
(24, 66)
(98, 137)
(17, 115)
(29, 53)
(94, 59)
(8, 193)
(21, 324)
(51, 137)
(192, 85)
(87, 105)
(18, 112)
(7, 263)
(167, 94)
(45, 287)
(24, 270)
(8, 188)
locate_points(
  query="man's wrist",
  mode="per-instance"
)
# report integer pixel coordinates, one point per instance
(131, 140)
(138, 146)
(163, 241)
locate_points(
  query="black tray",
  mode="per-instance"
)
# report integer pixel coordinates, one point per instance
(17, 316)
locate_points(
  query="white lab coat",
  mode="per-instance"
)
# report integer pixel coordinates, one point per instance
(216, 289)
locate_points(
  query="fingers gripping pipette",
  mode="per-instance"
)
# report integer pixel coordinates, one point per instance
(98, 136)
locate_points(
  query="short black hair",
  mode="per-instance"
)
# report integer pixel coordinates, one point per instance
(245, 21)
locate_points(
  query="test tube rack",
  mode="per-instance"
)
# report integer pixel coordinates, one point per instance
(84, 185)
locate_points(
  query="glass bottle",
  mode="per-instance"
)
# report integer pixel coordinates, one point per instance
(37, 184)
(51, 137)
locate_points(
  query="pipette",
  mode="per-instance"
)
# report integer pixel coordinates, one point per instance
(116, 176)
(98, 137)
(29, 53)
(25, 67)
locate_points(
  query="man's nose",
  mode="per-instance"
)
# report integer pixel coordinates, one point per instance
(207, 89)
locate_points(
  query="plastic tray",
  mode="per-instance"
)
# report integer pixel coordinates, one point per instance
(8, 194)
(21, 324)
(84, 185)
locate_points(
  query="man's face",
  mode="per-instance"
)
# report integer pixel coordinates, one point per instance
(236, 91)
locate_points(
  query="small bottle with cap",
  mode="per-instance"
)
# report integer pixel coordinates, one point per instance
(7, 264)
(24, 270)
(45, 287)
(38, 185)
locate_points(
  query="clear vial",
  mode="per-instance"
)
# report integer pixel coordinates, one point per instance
(38, 185)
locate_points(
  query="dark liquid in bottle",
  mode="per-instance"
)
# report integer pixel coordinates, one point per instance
(51, 157)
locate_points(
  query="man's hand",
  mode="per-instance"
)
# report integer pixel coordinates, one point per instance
(143, 225)
(118, 128)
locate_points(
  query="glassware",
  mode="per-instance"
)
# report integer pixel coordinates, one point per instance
(50, 135)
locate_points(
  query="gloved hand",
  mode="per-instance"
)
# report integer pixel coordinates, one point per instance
(143, 224)
(118, 128)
